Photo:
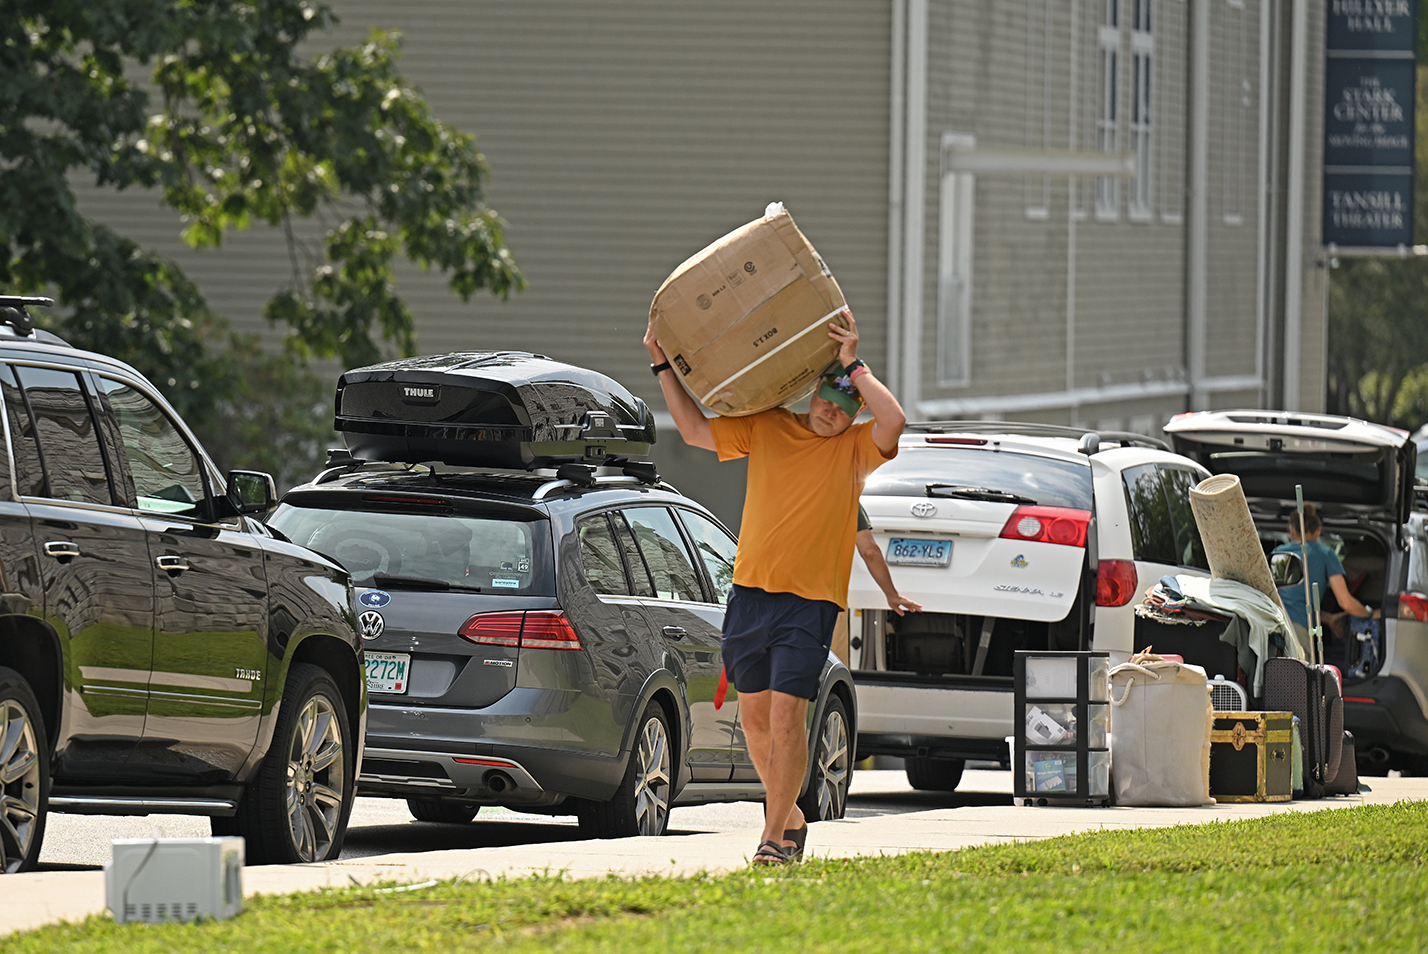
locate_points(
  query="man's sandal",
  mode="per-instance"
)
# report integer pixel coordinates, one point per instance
(799, 837)
(771, 853)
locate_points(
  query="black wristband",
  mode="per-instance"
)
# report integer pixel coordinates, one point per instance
(655, 369)
(857, 363)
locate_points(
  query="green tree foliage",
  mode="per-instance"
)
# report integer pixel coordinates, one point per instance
(1378, 309)
(212, 104)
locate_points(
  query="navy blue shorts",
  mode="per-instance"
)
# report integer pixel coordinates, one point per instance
(777, 641)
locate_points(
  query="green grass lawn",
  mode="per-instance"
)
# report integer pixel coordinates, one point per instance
(1348, 879)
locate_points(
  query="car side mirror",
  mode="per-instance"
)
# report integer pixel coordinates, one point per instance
(251, 491)
(1287, 569)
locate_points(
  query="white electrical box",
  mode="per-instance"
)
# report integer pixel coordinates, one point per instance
(174, 879)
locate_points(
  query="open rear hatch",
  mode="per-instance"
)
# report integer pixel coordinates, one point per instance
(1348, 468)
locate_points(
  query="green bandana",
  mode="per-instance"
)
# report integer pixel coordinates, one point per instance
(836, 387)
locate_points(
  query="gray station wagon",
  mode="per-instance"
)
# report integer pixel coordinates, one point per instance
(548, 644)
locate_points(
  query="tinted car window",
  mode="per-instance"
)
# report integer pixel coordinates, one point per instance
(69, 441)
(29, 473)
(1048, 481)
(1177, 483)
(716, 548)
(1163, 528)
(639, 572)
(665, 554)
(166, 472)
(491, 554)
(600, 556)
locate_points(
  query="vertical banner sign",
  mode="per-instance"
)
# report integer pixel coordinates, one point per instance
(1369, 77)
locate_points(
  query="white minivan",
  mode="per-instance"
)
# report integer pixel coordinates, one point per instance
(1012, 536)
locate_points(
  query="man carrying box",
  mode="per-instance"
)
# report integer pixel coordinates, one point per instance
(795, 555)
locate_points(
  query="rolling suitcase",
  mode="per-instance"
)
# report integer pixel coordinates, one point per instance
(1346, 780)
(1311, 693)
(507, 409)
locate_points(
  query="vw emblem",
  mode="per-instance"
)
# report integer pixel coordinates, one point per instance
(371, 624)
(374, 598)
(924, 508)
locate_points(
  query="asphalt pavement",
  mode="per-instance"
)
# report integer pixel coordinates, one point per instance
(384, 845)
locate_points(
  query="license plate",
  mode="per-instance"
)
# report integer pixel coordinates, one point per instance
(906, 552)
(387, 672)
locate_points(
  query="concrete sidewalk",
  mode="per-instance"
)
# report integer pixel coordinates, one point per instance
(31, 900)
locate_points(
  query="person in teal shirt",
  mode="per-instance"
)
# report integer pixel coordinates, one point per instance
(1323, 568)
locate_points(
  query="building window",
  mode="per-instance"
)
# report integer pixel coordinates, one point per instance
(1039, 34)
(1108, 43)
(1236, 113)
(1142, 69)
(1170, 109)
(954, 269)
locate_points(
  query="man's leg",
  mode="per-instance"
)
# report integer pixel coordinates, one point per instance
(778, 745)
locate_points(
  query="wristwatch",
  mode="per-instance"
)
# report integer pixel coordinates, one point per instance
(655, 369)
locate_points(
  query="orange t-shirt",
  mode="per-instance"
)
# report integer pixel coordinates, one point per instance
(801, 509)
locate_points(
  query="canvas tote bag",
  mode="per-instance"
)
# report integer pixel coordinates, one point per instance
(1160, 733)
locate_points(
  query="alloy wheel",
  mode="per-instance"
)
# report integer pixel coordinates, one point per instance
(20, 785)
(652, 783)
(316, 779)
(831, 774)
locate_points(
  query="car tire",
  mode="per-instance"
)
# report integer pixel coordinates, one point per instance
(935, 775)
(642, 802)
(296, 808)
(441, 812)
(826, 798)
(24, 774)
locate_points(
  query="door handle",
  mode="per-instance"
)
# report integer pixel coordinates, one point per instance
(675, 632)
(172, 565)
(62, 551)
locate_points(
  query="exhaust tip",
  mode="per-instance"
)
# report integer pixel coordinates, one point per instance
(1378, 755)
(498, 782)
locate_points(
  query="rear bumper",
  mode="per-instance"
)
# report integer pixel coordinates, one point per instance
(1392, 721)
(902, 718)
(497, 775)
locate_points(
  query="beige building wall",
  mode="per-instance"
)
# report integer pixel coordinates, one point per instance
(624, 136)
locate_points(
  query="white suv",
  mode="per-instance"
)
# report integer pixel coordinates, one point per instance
(1011, 536)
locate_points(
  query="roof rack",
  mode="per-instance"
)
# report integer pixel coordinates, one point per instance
(1032, 429)
(341, 463)
(13, 313)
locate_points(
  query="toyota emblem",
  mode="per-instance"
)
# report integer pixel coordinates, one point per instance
(924, 508)
(371, 624)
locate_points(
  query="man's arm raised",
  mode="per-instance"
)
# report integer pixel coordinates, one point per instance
(888, 416)
(693, 425)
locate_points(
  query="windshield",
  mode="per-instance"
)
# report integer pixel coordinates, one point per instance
(426, 550)
(977, 474)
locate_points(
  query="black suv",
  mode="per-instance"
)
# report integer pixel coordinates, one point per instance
(160, 649)
(549, 643)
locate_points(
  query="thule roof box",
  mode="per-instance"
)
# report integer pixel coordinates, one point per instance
(509, 409)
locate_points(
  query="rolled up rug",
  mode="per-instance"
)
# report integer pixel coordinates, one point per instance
(1227, 530)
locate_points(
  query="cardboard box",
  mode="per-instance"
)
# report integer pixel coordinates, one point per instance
(745, 321)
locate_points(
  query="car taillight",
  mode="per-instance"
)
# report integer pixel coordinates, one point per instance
(1048, 525)
(524, 629)
(1413, 606)
(548, 630)
(1116, 582)
(493, 629)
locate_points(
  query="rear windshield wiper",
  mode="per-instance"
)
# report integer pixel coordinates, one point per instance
(976, 493)
(417, 583)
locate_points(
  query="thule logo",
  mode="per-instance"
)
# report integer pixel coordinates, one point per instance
(420, 393)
